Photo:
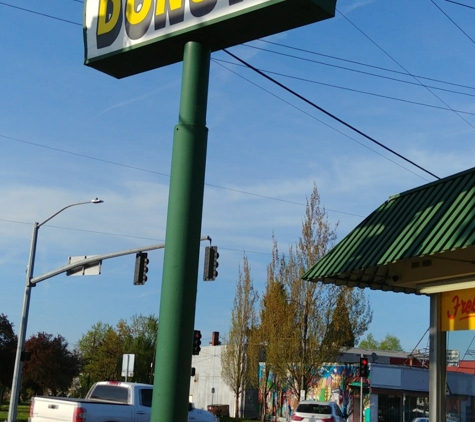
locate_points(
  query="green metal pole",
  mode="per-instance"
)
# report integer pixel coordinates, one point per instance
(182, 239)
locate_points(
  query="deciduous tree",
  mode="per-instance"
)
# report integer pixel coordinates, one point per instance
(237, 371)
(52, 365)
(103, 347)
(322, 318)
(8, 343)
(390, 343)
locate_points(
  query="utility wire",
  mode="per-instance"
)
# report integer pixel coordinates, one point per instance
(122, 235)
(360, 91)
(38, 13)
(329, 114)
(451, 20)
(361, 71)
(315, 118)
(362, 64)
(460, 4)
(282, 86)
(164, 174)
(402, 67)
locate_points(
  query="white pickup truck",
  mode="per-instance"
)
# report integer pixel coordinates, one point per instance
(106, 401)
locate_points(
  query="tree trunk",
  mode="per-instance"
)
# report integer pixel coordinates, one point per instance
(236, 405)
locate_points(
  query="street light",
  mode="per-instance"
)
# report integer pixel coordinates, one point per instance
(15, 392)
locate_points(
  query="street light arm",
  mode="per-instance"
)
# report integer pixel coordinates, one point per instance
(92, 201)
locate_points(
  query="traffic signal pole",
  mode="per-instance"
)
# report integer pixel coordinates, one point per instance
(182, 239)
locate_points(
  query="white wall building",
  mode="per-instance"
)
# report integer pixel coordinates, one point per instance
(207, 387)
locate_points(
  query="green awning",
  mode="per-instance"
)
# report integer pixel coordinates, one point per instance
(417, 238)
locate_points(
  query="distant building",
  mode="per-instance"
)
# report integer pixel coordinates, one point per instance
(208, 389)
(396, 390)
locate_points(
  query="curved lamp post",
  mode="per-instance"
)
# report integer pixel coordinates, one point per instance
(15, 391)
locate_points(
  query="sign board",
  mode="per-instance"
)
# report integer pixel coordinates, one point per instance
(88, 269)
(126, 37)
(458, 310)
(128, 362)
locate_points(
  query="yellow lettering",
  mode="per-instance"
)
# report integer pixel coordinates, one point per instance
(173, 5)
(106, 23)
(135, 17)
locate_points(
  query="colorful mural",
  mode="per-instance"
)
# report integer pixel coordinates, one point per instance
(332, 383)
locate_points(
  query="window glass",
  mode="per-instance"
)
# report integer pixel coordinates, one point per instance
(322, 409)
(110, 393)
(146, 397)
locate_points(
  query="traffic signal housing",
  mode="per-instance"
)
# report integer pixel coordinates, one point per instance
(211, 263)
(141, 269)
(196, 342)
(364, 371)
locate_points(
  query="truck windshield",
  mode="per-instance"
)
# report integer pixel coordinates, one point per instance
(110, 393)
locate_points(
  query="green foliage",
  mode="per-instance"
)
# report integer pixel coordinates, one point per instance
(316, 320)
(22, 415)
(8, 343)
(303, 325)
(103, 346)
(390, 343)
(236, 361)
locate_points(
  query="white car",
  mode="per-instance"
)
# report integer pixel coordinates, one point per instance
(318, 411)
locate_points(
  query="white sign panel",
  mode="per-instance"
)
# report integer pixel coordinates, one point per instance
(151, 33)
(128, 362)
(110, 27)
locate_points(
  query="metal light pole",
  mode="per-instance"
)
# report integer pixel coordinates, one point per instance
(15, 391)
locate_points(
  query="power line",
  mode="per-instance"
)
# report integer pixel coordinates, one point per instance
(362, 92)
(363, 64)
(40, 14)
(123, 235)
(460, 4)
(402, 67)
(315, 118)
(330, 114)
(161, 174)
(451, 20)
(360, 71)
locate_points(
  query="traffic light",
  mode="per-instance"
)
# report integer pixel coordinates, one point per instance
(196, 342)
(211, 263)
(364, 367)
(141, 269)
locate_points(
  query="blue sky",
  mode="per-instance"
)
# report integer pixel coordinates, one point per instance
(69, 133)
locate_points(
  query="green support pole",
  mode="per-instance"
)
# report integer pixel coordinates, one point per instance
(182, 240)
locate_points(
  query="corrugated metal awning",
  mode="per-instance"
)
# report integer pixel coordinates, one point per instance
(417, 238)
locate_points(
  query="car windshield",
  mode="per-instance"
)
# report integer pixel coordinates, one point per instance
(321, 409)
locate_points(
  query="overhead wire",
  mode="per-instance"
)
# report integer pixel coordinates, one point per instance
(163, 174)
(294, 93)
(451, 20)
(361, 72)
(402, 67)
(321, 109)
(388, 97)
(217, 61)
(39, 13)
(460, 4)
(385, 69)
(306, 100)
